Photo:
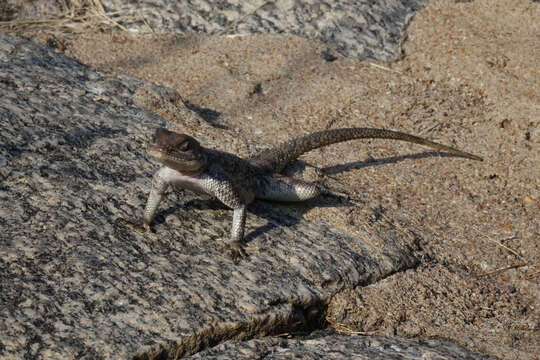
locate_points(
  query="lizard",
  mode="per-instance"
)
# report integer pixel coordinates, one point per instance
(237, 182)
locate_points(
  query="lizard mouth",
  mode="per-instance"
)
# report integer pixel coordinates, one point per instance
(157, 153)
(187, 163)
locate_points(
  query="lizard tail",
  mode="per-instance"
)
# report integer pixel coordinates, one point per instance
(277, 158)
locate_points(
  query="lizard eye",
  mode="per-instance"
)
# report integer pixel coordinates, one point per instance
(185, 146)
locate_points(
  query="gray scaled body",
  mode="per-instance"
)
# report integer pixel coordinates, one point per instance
(236, 182)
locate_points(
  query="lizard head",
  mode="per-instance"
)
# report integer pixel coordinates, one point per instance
(177, 151)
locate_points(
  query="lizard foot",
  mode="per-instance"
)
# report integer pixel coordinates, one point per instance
(238, 250)
(140, 227)
(147, 228)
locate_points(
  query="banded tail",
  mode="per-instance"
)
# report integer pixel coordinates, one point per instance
(278, 157)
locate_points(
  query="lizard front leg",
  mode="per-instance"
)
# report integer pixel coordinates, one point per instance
(159, 186)
(237, 232)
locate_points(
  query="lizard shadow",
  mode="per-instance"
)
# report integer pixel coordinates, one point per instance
(280, 217)
(390, 160)
(276, 216)
(188, 200)
(209, 115)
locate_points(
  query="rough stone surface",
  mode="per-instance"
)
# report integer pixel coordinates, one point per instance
(467, 80)
(364, 29)
(78, 282)
(338, 347)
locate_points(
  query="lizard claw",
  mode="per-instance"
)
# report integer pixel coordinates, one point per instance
(147, 228)
(238, 250)
(138, 226)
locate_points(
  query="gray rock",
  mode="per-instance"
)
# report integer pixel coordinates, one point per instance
(364, 29)
(78, 282)
(337, 347)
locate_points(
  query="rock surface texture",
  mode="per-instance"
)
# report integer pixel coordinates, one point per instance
(409, 251)
(76, 281)
(336, 347)
(363, 29)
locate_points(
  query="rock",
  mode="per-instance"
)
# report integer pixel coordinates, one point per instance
(337, 347)
(367, 29)
(76, 281)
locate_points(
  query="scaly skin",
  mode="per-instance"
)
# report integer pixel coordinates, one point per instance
(236, 182)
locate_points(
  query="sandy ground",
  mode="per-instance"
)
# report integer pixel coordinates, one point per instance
(469, 78)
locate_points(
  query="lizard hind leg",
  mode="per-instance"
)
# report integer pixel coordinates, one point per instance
(237, 244)
(282, 188)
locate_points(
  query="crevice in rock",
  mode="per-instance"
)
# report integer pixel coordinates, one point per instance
(287, 319)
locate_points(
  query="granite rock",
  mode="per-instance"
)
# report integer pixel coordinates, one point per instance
(364, 29)
(337, 347)
(78, 282)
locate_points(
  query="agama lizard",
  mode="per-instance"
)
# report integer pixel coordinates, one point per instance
(236, 182)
